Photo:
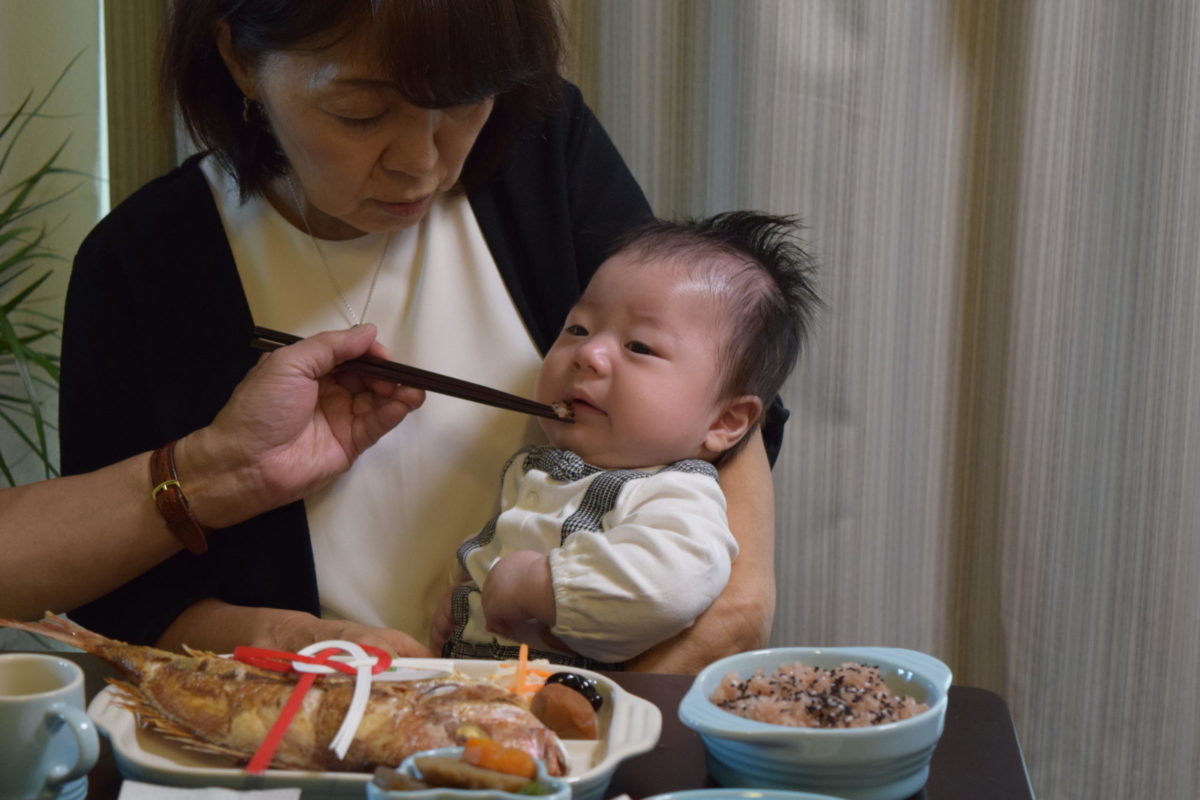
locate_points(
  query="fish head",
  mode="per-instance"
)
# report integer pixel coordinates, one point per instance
(451, 715)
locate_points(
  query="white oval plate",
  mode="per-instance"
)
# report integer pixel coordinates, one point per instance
(629, 725)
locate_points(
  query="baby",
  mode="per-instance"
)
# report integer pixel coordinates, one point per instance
(615, 537)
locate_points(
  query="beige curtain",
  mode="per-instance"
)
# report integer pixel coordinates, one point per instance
(140, 142)
(994, 452)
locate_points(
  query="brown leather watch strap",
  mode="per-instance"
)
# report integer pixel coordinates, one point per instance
(173, 504)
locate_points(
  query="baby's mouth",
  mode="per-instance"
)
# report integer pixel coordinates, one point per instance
(580, 405)
(563, 409)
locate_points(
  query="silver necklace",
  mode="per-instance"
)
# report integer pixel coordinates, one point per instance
(355, 319)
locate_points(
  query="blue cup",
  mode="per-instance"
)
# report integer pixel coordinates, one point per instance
(47, 742)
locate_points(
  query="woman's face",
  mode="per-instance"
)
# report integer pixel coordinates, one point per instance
(364, 159)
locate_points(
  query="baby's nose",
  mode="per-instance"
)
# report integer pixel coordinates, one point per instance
(593, 354)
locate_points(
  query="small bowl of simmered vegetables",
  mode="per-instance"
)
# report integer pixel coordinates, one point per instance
(481, 769)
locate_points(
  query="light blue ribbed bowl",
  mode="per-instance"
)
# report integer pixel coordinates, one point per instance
(878, 762)
(552, 788)
(740, 794)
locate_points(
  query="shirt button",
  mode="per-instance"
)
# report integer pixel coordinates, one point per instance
(532, 499)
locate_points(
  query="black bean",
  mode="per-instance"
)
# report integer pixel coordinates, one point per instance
(585, 686)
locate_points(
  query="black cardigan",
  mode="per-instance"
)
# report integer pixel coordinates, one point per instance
(157, 328)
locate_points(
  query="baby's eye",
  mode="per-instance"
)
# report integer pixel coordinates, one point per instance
(575, 330)
(641, 348)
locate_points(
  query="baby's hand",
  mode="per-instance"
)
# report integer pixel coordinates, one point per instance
(517, 589)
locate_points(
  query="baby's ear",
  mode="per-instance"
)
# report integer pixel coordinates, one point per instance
(731, 424)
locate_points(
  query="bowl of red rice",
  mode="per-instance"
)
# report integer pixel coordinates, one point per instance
(859, 723)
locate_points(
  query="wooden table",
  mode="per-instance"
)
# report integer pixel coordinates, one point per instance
(978, 757)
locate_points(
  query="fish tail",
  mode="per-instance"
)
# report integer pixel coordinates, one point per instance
(55, 627)
(124, 656)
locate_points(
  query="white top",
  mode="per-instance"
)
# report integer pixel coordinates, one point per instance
(642, 558)
(384, 534)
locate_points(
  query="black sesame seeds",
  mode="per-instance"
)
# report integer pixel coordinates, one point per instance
(849, 696)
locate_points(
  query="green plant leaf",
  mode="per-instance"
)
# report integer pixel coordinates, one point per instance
(26, 117)
(19, 114)
(15, 301)
(16, 206)
(17, 347)
(29, 362)
(37, 450)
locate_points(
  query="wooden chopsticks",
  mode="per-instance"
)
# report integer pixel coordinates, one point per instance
(267, 340)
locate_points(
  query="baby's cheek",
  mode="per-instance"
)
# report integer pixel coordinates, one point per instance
(547, 387)
(652, 405)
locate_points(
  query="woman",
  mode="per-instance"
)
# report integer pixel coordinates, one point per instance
(418, 165)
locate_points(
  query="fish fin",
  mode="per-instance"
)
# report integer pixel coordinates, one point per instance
(134, 700)
(191, 652)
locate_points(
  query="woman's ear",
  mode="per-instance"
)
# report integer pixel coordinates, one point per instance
(731, 424)
(237, 69)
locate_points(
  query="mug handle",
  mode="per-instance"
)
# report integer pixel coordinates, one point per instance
(86, 739)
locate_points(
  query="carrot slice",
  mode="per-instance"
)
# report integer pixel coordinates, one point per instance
(490, 754)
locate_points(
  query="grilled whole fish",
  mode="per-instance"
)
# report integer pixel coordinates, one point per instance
(218, 705)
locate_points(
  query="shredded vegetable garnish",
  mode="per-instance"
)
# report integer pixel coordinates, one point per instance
(522, 676)
(522, 665)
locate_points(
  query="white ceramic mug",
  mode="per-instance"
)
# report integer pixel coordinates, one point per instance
(47, 742)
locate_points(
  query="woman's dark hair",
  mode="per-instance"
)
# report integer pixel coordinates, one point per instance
(439, 53)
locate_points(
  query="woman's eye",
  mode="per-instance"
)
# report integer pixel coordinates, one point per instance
(641, 348)
(575, 330)
(356, 114)
(359, 122)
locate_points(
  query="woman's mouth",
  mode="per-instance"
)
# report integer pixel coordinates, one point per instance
(407, 209)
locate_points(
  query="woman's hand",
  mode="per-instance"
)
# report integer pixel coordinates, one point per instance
(443, 621)
(292, 424)
(305, 629)
(219, 626)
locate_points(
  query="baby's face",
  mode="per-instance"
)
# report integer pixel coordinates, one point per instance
(637, 360)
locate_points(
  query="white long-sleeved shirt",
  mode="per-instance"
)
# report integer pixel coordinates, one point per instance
(635, 555)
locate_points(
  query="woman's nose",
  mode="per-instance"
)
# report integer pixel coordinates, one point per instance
(412, 148)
